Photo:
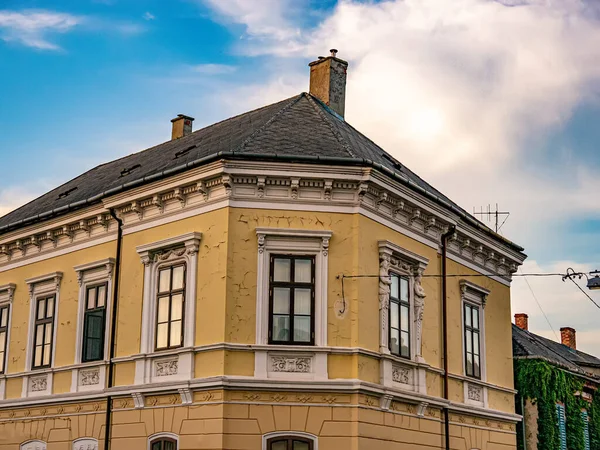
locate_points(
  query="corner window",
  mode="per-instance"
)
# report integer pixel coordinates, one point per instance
(399, 316)
(94, 323)
(163, 444)
(44, 331)
(4, 312)
(472, 341)
(289, 443)
(170, 301)
(292, 300)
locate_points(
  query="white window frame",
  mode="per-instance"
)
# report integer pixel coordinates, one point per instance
(163, 435)
(154, 256)
(273, 241)
(292, 434)
(34, 381)
(85, 443)
(475, 390)
(291, 362)
(89, 275)
(7, 294)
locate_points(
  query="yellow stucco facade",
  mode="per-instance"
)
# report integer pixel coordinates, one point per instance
(226, 386)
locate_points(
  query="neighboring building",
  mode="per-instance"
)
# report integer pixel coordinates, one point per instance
(277, 287)
(558, 391)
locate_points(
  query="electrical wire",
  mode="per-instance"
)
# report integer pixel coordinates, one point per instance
(585, 293)
(539, 305)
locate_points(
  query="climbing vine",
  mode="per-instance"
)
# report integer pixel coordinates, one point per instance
(547, 385)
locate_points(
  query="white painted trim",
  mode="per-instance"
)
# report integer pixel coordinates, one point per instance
(33, 444)
(163, 435)
(300, 434)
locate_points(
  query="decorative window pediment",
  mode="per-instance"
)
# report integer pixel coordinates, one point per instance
(7, 293)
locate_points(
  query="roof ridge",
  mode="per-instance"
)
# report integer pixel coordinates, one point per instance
(313, 101)
(268, 122)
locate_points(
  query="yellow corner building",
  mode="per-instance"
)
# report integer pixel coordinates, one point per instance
(274, 281)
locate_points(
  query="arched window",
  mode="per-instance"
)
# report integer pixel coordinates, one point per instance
(33, 445)
(289, 443)
(163, 442)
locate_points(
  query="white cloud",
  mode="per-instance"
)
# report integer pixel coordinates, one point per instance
(213, 69)
(33, 27)
(148, 16)
(13, 197)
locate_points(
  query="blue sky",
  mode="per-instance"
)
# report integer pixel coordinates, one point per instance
(458, 91)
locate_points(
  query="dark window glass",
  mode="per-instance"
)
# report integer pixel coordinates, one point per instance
(164, 444)
(169, 310)
(94, 323)
(43, 332)
(3, 333)
(292, 300)
(399, 317)
(289, 443)
(472, 328)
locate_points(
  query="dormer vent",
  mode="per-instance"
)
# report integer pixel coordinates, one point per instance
(128, 170)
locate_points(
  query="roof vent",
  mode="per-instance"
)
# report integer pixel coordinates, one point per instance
(392, 160)
(184, 151)
(67, 192)
(127, 171)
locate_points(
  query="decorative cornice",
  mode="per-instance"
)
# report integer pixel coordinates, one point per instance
(7, 292)
(175, 247)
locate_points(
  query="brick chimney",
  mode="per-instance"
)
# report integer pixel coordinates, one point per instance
(522, 321)
(328, 81)
(182, 126)
(567, 337)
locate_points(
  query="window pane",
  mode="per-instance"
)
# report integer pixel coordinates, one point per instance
(279, 445)
(50, 307)
(394, 288)
(395, 342)
(476, 318)
(299, 445)
(176, 307)
(4, 317)
(467, 316)
(404, 317)
(177, 277)
(47, 354)
(394, 319)
(1, 361)
(281, 300)
(39, 334)
(91, 293)
(161, 335)
(281, 328)
(41, 309)
(404, 289)
(169, 445)
(2, 340)
(175, 333)
(156, 445)
(48, 335)
(404, 344)
(476, 343)
(469, 340)
(281, 269)
(164, 281)
(303, 271)
(163, 309)
(302, 329)
(94, 326)
(469, 364)
(94, 349)
(37, 360)
(101, 296)
(476, 369)
(302, 301)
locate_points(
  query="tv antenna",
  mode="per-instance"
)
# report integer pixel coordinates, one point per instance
(490, 215)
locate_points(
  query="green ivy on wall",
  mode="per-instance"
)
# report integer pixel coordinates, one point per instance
(546, 385)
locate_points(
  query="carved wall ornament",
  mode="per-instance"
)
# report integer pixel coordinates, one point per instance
(325, 246)
(260, 187)
(402, 374)
(33, 445)
(327, 187)
(384, 298)
(186, 396)
(296, 364)
(8, 292)
(166, 367)
(85, 444)
(89, 377)
(228, 183)
(422, 409)
(165, 255)
(385, 402)
(39, 383)
(475, 392)
(136, 208)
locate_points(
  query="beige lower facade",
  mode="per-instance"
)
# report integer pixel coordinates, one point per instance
(244, 420)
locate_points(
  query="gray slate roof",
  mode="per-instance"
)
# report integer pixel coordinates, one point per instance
(299, 128)
(528, 344)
